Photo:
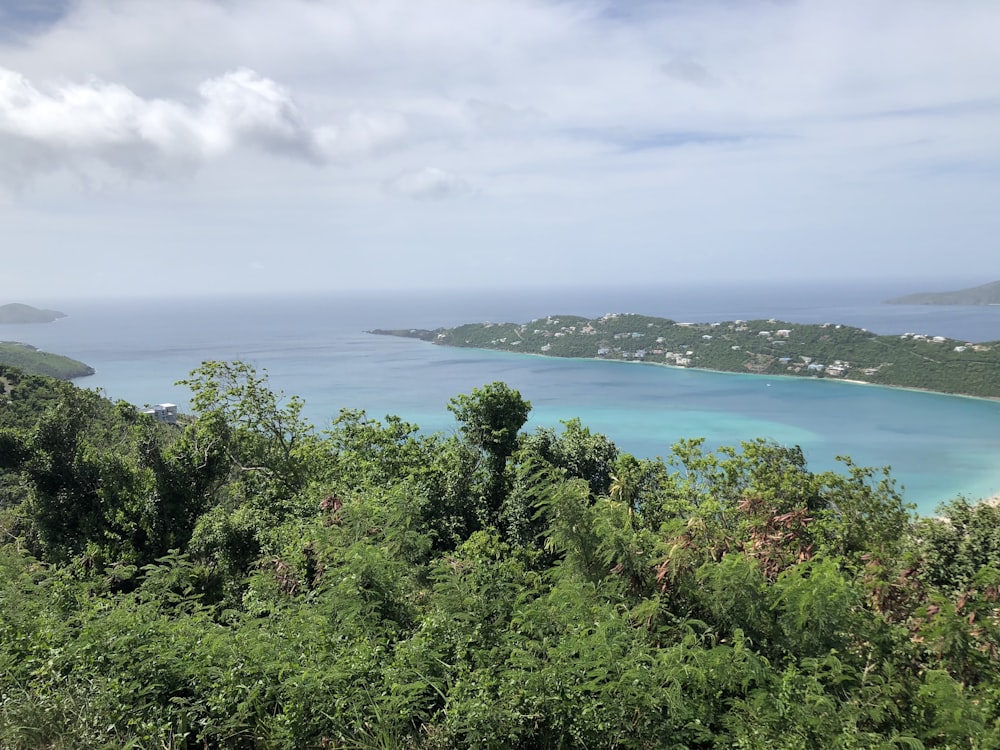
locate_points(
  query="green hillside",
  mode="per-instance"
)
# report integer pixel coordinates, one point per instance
(31, 360)
(771, 347)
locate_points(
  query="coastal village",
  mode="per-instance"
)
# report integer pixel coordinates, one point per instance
(769, 347)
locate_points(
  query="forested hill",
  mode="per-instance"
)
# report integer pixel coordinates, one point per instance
(987, 294)
(243, 581)
(31, 360)
(773, 347)
(15, 312)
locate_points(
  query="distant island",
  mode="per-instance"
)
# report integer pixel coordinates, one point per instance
(766, 347)
(17, 313)
(30, 360)
(987, 294)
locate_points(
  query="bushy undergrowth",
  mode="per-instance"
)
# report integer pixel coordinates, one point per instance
(247, 581)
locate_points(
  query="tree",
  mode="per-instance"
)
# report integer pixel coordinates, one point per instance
(624, 486)
(490, 418)
(576, 453)
(958, 544)
(92, 488)
(582, 454)
(266, 434)
(253, 454)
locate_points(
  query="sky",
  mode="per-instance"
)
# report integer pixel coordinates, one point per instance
(266, 146)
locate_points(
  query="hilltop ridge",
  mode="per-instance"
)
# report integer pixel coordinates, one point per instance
(17, 312)
(986, 294)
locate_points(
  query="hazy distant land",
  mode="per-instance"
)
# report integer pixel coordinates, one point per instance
(17, 313)
(987, 294)
(766, 347)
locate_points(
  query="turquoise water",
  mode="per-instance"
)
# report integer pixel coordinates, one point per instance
(938, 446)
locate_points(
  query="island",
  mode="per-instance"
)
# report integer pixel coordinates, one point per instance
(765, 347)
(29, 359)
(987, 294)
(16, 313)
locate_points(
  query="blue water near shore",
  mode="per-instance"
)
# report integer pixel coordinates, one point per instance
(316, 347)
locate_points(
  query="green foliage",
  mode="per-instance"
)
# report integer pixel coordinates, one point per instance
(24, 397)
(864, 514)
(959, 543)
(771, 347)
(92, 488)
(268, 443)
(733, 593)
(13, 451)
(579, 452)
(490, 418)
(816, 603)
(367, 452)
(246, 582)
(30, 360)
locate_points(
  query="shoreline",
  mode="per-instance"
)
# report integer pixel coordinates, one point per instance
(988, 399)
(992, 497)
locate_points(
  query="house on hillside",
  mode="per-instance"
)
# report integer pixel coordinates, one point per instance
(166, 413)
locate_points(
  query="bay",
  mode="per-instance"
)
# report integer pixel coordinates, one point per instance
(316, 347)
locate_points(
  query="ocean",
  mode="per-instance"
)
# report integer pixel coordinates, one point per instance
(315, 346)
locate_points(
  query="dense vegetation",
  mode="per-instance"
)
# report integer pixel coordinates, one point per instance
(246, 581)
(772, 347)
(29, 359)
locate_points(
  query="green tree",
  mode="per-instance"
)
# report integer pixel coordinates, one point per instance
(93, 489)
(490, 419)
(582, 454)
(269, 444)
(254, 453)
(576, 452)
(955, 546)
(625, 480)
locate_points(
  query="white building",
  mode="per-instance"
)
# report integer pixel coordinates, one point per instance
(166, 413)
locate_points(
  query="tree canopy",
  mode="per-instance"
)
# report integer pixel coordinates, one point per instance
(242, 580)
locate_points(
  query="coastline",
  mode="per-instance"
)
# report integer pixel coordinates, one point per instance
(993, 399)
(987, 494)
(988, 399)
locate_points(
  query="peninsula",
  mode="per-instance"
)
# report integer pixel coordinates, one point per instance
(16, 313)
(771, 347)
(30, 360)
(987, 294)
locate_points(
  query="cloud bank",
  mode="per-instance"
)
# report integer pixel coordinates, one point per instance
(75, 123)
(687, 139)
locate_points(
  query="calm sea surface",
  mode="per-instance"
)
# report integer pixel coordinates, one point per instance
(316, 347)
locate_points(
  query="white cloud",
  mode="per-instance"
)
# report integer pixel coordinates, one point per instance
(72, 124)
(360, 134)
(242, 107)
(429, 183)
(746, 127)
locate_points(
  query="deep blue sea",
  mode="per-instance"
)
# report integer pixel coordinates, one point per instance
(316, 347)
